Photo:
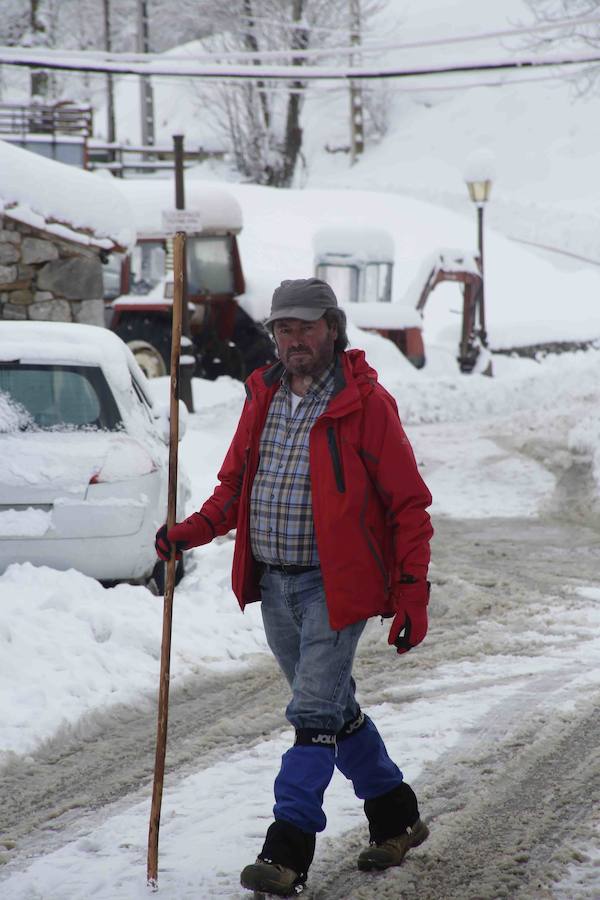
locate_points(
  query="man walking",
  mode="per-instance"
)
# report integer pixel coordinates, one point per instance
(322, 486)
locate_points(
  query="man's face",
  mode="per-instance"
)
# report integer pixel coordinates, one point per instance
(305, 348)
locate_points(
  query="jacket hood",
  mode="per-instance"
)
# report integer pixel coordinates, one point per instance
(358, 366)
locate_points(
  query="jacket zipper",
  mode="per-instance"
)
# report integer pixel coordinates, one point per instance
(335, 459)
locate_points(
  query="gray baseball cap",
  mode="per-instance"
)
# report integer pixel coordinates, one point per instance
(301, 298)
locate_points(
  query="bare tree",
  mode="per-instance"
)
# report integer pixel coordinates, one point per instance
(262, 121)
(259, 120)
(66, 24)
(586, 79)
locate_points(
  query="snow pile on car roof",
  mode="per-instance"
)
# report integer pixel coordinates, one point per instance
(69, 344)
(64, 200)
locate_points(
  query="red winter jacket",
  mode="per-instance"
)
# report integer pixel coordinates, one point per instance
(369, 501)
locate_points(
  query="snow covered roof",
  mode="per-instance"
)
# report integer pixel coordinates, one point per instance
(346, 244)
(219, 210)
(63, 200)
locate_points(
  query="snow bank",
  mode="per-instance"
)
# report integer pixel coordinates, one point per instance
(518, 385)
(68, 646)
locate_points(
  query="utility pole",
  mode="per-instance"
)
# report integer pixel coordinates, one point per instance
(40, 78)
(146, 97)
(110, 96)
(357, 143)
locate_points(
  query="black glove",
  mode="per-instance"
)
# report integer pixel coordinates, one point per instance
(409, 626)
(163, 545)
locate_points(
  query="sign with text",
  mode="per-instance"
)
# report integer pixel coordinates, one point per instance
(188, 220)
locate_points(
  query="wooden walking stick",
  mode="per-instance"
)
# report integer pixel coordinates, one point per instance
(165, 654)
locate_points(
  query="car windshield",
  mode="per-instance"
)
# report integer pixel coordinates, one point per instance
(57, 397)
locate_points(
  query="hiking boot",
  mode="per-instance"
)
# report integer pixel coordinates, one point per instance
(270, 878)
(392, 851)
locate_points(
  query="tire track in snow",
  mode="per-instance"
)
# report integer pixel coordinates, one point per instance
(499, 808)
(491, 570)
(111, 754)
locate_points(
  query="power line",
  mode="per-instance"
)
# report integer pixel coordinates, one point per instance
(315, 52)
(274, 88)
(52, 60)
(468, 85)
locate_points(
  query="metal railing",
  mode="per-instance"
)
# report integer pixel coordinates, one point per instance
(120, 158)
(22, 119)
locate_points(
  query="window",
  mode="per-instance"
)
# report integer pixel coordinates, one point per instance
(147, 266)
(61, 397)
(343, 280)
(111, 276)
(209, 265)
(378, 282)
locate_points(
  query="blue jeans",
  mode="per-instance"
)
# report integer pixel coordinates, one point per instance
(317, 663)
(315, 659)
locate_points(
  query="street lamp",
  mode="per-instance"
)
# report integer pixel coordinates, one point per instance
(479, 172)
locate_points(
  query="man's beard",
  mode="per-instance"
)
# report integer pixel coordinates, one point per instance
(313, 364)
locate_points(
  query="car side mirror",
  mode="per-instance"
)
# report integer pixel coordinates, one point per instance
(162, 417)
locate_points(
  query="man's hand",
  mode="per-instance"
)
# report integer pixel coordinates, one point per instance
(164, 545)
(410, 622)
(192, 532)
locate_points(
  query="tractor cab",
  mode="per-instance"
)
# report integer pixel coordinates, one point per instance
(358, 263)
(226, 340)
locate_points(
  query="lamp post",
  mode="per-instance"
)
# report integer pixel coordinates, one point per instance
(478, 177)
(479, 192)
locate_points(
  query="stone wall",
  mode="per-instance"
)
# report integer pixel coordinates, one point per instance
(47, 278)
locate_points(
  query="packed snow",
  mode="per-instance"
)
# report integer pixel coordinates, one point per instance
(489, 480)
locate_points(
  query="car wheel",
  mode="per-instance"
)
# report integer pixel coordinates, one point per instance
(159, 575)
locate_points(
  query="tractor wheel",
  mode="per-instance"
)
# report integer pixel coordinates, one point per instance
(148, 359)
(149, 337)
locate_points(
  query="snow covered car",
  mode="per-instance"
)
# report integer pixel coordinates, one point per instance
(84, 475)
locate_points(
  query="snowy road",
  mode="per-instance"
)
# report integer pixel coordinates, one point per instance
(494, 719)
(513, 802)
(509, 797)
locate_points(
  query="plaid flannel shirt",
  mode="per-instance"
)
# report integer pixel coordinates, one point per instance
(281, 520)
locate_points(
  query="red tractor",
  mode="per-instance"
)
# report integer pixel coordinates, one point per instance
(226, 340)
